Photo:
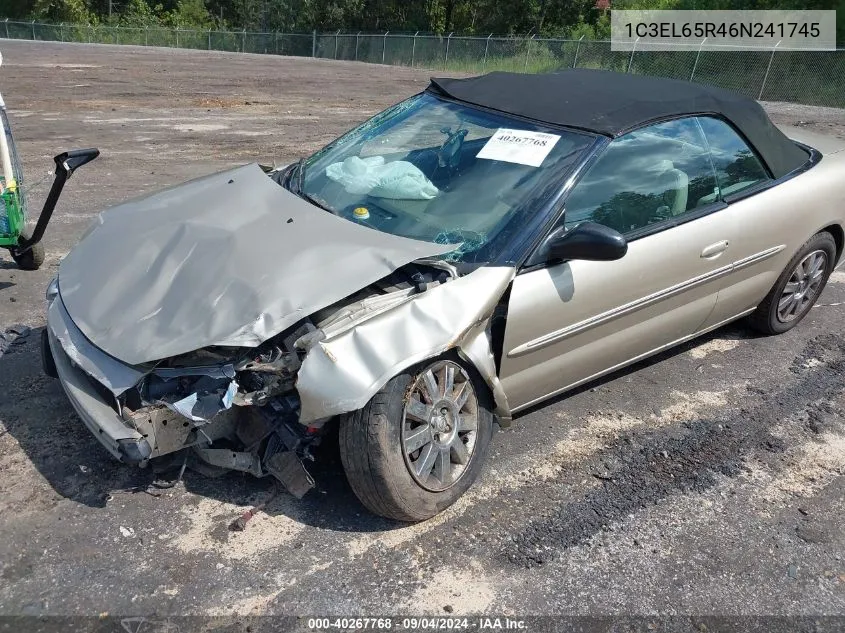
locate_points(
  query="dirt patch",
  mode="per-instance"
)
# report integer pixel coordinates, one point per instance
(604, 428)
(813, 466)
(641, 469)
(208, 529)
(718, 345)
(219, 102)
(453, 591)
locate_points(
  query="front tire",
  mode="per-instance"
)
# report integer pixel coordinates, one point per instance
(420, 442)
(798, 287)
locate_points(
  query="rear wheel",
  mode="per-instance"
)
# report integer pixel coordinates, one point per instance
(798, 287)
(32, 258)
(419, 444)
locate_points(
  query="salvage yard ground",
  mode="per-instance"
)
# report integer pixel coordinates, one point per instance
(708, 480)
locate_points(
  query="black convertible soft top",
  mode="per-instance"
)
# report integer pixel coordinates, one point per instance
(611, 104)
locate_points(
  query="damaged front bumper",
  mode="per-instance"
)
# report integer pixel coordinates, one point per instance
(258, 440)
(125, 443)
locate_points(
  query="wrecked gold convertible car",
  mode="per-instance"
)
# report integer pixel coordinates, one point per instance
(446, 264)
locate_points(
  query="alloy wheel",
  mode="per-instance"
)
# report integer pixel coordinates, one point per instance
(803, 287)
(439, 425)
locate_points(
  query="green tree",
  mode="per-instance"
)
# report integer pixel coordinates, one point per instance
(138, 13)
(62, 11)
(16, 9)
(189, 14)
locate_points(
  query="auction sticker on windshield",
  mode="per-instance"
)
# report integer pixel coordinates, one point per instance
(519, 146)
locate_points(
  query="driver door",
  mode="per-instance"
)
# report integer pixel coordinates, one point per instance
(572, 321)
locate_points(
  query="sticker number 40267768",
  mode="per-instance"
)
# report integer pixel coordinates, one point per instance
(524, 140)
(523, 147)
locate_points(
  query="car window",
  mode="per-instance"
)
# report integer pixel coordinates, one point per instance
(644, 177)
(737, 167)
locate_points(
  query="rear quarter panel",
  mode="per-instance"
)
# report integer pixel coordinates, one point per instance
(786, 215)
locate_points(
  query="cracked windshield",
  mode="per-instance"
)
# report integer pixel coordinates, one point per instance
(436, 171)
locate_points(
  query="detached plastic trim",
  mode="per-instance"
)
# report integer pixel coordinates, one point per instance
(48, 363)
(134, 451)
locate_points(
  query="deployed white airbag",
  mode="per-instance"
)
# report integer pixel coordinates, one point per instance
(399, 180)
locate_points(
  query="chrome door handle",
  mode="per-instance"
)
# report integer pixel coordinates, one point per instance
(714, 250)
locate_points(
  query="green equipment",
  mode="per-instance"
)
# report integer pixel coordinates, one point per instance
(25, 246)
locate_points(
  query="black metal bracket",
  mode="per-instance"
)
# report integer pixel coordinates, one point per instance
(66, 164)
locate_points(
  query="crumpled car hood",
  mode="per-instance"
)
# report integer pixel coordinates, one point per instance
(228, 259)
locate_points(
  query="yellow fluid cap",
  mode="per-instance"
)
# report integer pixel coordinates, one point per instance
(361, 213)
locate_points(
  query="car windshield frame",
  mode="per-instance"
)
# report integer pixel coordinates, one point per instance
(517, 227)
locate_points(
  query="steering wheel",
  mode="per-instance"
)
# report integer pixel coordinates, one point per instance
(449, 155)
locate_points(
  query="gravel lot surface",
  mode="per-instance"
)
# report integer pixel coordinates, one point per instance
(709, 480)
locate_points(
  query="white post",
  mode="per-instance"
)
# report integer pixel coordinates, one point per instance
(177, 37)
(768, 68)
(243, 41)
(357, 38)
(631, 60)
(527, 53)
(697, 55)
(577, 49)
(146, 36)
(335, 43)
(33, 30)
(62, 31)
(486, 49)
(414, 49)
(7, 28)
(448, 41)
(209, 39)
(6, 161)
(5, 156)
(384, 47)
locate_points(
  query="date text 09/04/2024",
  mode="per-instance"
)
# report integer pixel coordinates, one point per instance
(417, 624)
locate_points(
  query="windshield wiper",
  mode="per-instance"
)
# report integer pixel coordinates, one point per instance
(316, 202)
(299, 169)
(286, 176)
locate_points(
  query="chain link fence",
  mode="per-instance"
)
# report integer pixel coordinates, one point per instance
(805, 77)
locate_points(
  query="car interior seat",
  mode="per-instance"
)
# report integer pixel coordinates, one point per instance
(675, 185)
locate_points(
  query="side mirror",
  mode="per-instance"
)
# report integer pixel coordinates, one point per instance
(589, 241)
